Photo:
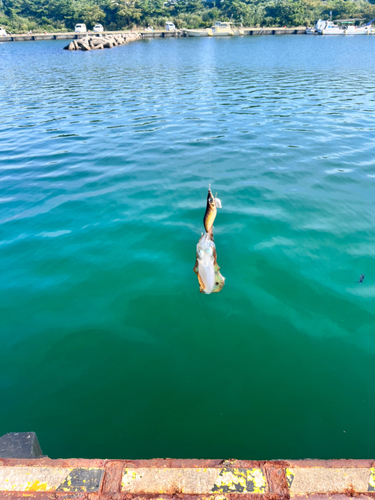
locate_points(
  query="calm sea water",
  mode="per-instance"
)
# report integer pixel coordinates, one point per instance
(107, 349)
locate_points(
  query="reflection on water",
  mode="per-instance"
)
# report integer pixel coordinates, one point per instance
(106, 158)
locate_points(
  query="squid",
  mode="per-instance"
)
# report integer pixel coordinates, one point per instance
(206, 266)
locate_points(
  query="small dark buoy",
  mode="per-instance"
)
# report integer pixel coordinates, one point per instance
(361, 278)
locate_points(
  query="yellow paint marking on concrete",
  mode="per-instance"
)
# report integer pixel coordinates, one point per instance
(36, 486)
(326, 480)
(371, 483)
(240, 481)
(258, 479)
(31, 478)
(230, 481)
(198, 481)
(289, 477)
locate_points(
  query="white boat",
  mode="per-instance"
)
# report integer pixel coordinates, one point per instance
(362, 30)
(224, 29)
(218, 29)
(196, 32)
(330, 28)
(319, 25)
(365, 29)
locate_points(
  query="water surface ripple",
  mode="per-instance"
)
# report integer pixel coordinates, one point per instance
(106, 347)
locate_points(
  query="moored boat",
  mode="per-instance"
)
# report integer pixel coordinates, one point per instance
(196, 32)
(319, 25)
(353, 30)
(365, 29)
(345, 28)
(224, 29)
(330, 28)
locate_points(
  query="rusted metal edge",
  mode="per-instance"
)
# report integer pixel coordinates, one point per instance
(48, 495)
(330, 464)
(49, 462)
(186, 463)
(277, 481)
(241, 496)
(336, 496)
(206, 496)
(201, 463)
(42, 495)
(164, 463)
(111, 482)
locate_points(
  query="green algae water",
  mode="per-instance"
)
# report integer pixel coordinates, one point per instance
(107, 349)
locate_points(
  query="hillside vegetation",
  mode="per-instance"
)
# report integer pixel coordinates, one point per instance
(59, 15)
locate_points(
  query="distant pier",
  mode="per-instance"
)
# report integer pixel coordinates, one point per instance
(145, 34)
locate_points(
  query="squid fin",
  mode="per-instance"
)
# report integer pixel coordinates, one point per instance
(219, 280)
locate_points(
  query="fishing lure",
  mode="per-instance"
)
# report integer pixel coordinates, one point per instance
(211, 211)
(206, 266)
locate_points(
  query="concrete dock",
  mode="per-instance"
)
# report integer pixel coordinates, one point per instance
(167, 479)
(26, 473)
(145, 34)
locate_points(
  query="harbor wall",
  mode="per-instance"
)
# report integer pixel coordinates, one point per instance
(145, 34)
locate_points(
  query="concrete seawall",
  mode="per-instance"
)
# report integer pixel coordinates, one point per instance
(53, 36)
(26, 473)
(146, 34)
(275, 31)
(165, 479)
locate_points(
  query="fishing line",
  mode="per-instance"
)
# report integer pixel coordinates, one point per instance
(209, 169)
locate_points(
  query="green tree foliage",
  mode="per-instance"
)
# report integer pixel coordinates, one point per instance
(22, 15)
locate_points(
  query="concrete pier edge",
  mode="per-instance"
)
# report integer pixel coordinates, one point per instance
(167, 479)
(26, 473)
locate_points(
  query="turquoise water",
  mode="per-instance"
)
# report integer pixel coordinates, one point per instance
(107, 349)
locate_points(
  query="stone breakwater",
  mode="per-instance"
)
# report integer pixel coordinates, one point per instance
(100, 41)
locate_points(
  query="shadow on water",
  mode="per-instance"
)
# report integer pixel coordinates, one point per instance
(239, 375)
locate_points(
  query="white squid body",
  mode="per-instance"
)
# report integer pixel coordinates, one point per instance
(206, 262)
